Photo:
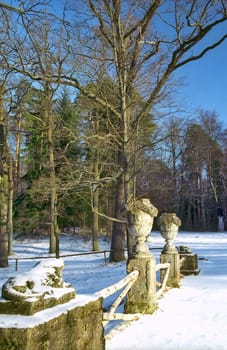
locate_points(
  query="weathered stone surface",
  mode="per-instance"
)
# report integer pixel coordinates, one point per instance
(189, 265)
(37, 289)
(77, 329)
(189, 261)
(141, 298)
(168, 224)
(141, 215)
(174, 273)
(26, 307)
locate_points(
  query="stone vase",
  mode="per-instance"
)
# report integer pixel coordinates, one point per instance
(168, 225)
(141, 215)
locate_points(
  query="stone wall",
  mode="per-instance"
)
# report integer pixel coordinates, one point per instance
(76, 327)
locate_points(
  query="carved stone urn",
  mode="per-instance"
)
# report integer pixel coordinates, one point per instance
(141, 215)
(168, 224)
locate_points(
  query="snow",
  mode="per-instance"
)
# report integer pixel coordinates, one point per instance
(20, 321)
(37, 282)
(193, 316)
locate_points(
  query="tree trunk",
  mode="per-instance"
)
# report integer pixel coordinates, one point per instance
(3, 186)
(10, 204)
(17, 156)
(54, 237)
(95, 191)
(124, 192)
(203, 214)
(189, 214)
(95, 221)
(118, 233)
(109, 206)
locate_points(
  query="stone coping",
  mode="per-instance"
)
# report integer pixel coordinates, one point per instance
(30, 321)
(29, 307)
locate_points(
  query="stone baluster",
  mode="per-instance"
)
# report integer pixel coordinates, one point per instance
(142, 296)
(168, 224)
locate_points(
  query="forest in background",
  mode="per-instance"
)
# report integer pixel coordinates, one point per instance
(89, 120)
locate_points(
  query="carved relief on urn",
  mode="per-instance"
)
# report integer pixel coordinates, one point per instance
(141, 215)
(168, 224)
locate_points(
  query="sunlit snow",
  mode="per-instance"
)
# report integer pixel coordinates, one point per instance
(193, 317)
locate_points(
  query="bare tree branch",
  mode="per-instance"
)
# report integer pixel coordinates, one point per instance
(11, 8)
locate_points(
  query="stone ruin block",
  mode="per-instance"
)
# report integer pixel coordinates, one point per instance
(189, 262)
(40, 288)
(39, 311)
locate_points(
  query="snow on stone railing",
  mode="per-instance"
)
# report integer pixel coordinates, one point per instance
(162, 286)
(128, 281)
(37, 289)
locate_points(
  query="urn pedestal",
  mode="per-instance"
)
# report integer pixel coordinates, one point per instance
(142, 296)
(168, 224)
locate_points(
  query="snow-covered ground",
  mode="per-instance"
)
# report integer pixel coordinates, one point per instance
(193, 317)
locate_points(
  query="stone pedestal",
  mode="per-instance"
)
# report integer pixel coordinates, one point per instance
(169, 224)
(189, 262)
(174, 274)
(142, 296)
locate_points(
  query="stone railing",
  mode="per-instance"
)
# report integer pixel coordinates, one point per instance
(126, 282)
(40, 311)
(46, 314)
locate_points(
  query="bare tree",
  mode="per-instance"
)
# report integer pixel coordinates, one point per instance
(144, 44)
(34, 47)
(3, 182)
(140, 45)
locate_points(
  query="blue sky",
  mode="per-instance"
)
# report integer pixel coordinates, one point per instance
(205, 80)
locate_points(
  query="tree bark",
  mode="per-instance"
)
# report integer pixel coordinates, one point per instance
(118, 232)
(3, 185)
(10, 204)
(17, 156)
(95, 190)
(95, 221)
(54, 237)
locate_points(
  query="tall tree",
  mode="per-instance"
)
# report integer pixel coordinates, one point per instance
(3, 182)
(145, 43)
(223, 178)
(202, 159)
(101, 142)
(38, 43)
(140, 45)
